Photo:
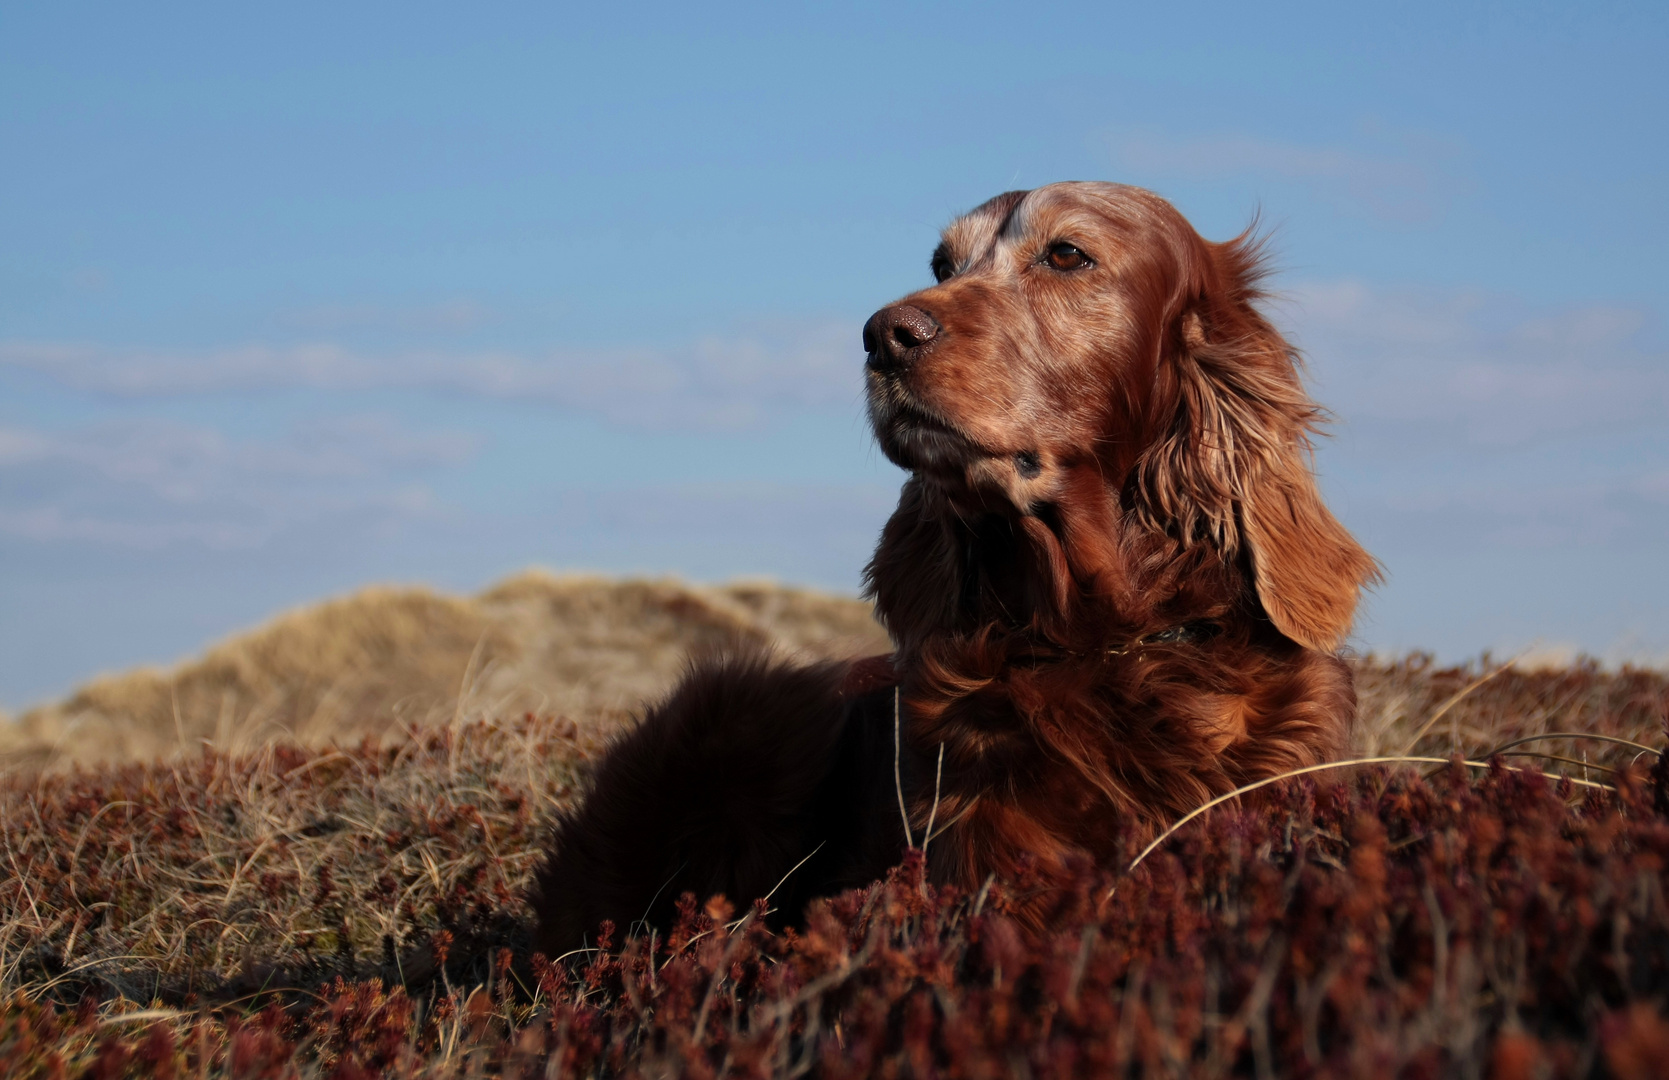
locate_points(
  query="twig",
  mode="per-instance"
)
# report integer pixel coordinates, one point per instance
(75, 856)
(791, 870)
(1239, 791)
(1453, 701)
(67, 972)
(464, 687)
(1569, 735)
(713, 983)
(237, 871)
(141, 1016)
(938, 774)
(897, 775)
(1553, 757)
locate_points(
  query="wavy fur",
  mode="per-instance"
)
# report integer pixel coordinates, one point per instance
(1113, 589)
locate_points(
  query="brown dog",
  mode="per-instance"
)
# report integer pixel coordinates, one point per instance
(1112, 586)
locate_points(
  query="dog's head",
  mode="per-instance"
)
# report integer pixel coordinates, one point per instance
(1090, 368)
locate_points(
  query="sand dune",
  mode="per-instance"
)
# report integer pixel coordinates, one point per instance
(366, 664)
(596, 649)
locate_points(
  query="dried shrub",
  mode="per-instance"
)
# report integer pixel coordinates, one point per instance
(357, 912)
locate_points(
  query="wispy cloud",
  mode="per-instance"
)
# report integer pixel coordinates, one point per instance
(150, 483)
(713, 382)
(1484, 371)
(1482, 418)
(1402, 177)
(1489, 516)
(1471, 423)
(446, 316)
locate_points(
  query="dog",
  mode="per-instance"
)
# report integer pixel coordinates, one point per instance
(1112, 586)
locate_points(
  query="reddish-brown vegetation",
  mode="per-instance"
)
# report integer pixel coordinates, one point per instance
(358, 912)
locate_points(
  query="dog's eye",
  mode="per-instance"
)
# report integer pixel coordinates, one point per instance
(1064, 256)
(941, 265)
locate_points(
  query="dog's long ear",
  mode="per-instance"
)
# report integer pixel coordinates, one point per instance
(1232, 463)
(1309, 570)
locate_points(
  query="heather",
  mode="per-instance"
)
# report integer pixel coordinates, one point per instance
(355, 910)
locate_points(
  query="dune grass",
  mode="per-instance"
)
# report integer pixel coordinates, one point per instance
(384, 658)
(285, 910)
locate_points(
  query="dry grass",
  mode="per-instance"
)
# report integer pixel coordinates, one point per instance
(223, 852)
(1415, 706)
(223, 874)
(282, 909)
(357, 913)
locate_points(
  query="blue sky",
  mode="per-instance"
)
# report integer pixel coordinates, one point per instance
(299, 299)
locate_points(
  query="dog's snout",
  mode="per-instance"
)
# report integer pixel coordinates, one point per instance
(894, 336)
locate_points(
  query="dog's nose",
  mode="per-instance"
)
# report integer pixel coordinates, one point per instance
(895, 336)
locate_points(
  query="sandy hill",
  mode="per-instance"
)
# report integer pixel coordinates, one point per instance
(383, 658)
(595, 649)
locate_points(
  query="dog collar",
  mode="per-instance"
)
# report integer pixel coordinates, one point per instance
(1187, 633)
